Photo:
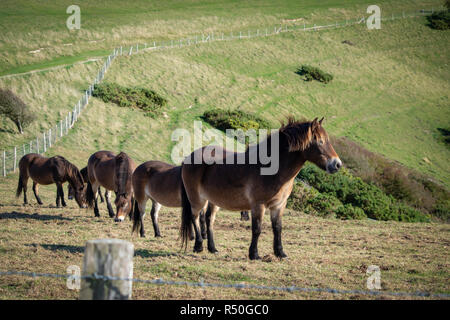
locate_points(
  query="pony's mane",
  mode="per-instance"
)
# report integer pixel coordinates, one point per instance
(123, 174)
(299, 133)
(73, 174)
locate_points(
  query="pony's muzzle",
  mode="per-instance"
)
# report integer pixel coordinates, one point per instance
(119, 219)
(334, 165)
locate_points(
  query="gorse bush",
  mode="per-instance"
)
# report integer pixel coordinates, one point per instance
(439, 20)
(407, 185)
(312, 73)
(351, 190)
(147, 100)
(236, 119)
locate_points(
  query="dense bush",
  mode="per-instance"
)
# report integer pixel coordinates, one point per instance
(353, 190)
(348, 212)
(439, 20)
(141, 98)
(394, 179)
(236, 119)
(312, 73)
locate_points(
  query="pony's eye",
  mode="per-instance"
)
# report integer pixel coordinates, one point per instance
(321, 142)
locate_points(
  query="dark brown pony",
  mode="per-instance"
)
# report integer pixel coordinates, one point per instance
(47, 171)
(243, 187)
(161, 182)
(113, 173)
(84, 174)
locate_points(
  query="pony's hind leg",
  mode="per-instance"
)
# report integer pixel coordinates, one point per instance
(154, 214)
(60, 195)
(203, 214)
(210, 217)
(36, 192)
(108, 203)
(257, 215)
(198, 246)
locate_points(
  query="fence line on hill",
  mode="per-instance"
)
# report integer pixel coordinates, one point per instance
(48, 138)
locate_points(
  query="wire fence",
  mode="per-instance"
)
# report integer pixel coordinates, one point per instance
(46, 139)
(202, 284)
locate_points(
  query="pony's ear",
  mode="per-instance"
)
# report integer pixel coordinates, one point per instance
(314, 125)
(320, 121)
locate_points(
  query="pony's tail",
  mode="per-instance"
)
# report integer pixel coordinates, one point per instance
(186, 218)
(136, 217)
(90, 197)
(19, 186)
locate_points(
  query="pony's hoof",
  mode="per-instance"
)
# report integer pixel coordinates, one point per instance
(213, 250)
(281, 255)
(254, 256)
(198, 249)
(158, 236)
(143, 235)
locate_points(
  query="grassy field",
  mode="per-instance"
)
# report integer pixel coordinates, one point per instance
(322, 253)
(30, 25)
(389, 93)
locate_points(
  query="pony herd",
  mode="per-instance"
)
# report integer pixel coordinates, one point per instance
(199, 188)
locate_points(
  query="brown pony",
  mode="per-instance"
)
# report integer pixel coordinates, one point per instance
(84, 174)
(46, 171)
(113, 173)
(161, 182)
(243, 187)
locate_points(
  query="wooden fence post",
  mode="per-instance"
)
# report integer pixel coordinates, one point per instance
(4, 163)
(107, 257)
(15, 158)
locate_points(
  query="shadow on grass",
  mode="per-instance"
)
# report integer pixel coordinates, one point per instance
(59, 247)
(143, 253)
(35, 216)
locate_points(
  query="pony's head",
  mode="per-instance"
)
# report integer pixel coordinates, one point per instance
(312, 140)
(70, 190)
(76, 185)
(123, 187)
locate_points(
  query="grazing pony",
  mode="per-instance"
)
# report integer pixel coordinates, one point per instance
(47, 171)
(243, 187)
(160, 182)
(113, 173)
(84, 174)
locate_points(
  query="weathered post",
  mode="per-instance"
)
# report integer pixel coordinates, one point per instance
(109, 258)
(15, 158)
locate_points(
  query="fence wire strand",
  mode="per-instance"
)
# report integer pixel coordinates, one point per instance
(202, 284)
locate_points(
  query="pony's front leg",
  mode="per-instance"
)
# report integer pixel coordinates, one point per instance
(210, 217)
(108, 203)
(275, 217)
(36, 192)
(257, 216)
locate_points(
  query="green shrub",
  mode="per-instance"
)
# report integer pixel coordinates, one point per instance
(439, 20)
(312, 73)
(348, 212)
(146, 100)
(394, 179)
(353, 190)
(236, 119)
